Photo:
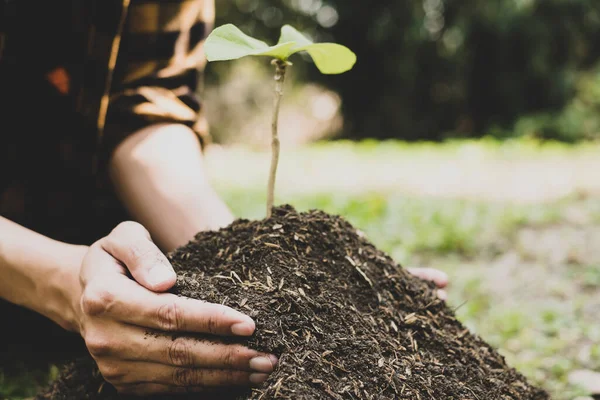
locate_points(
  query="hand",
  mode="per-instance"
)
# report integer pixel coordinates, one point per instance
(436, 276)
(117, 313)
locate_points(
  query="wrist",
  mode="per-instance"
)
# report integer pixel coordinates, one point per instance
(40, 273)
(63, 289)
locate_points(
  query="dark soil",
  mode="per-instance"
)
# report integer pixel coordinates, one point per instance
(346, 321)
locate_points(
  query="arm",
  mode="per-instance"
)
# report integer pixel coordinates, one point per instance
(159, 175)
(34, 267)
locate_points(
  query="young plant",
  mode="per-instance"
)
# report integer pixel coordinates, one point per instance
(229, 43)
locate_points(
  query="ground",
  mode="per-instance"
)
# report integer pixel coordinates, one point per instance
(514, 224)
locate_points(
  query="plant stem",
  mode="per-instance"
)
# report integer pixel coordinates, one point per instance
(280, 69)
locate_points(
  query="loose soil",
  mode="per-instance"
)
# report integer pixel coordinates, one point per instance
(345, 320)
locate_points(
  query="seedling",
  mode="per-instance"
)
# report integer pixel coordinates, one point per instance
(229, 43)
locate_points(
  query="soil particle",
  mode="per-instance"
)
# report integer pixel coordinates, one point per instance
(346, 321)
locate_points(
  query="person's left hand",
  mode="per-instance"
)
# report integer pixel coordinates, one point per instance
(436, 276)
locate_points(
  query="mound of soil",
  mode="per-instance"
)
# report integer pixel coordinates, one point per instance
(345, 320)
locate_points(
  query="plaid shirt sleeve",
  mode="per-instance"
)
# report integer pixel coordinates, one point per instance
(154, 77)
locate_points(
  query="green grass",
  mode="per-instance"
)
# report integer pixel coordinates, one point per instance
(407, 226)
(22, 381)
(542, 315)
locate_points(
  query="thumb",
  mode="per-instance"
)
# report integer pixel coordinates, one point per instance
(130, 244)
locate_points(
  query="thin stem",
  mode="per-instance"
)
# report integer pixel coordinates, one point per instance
(280, 69)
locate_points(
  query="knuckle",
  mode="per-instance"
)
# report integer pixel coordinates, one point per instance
(212, 323)
(170, 317)
(230, 356)
(97, 301)
(230, 377)
(180, 353)
(187, 377)
(112, 373)
(98, 345)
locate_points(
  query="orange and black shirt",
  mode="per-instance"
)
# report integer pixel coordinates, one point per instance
(77, 77)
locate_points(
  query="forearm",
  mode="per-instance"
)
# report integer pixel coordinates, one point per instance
(39, 273)
(159, 175)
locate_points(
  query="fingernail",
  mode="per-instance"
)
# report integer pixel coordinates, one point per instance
(245, 328)
(444, 279)
(274, 359)
(261, 364)
(257, 379)
(159, 275)
(442, 295)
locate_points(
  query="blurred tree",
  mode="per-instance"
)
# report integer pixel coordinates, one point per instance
(429, 69)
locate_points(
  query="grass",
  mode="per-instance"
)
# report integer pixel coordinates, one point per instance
(525, 274)
(407, 226)
(23, 382)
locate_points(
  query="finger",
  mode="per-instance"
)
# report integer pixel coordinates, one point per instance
(130, 243)
(131, 343)
(98, 264)
(442, 294)
(186, 377)
(194, 353)
(436, 276)
(124, 300)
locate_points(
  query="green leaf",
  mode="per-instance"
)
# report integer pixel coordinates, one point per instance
(229, 43)
(330, 58)
(290, 34)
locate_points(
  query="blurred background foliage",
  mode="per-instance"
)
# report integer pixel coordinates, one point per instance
(427, 70)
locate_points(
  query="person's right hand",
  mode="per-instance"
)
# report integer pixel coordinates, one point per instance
(128, 325)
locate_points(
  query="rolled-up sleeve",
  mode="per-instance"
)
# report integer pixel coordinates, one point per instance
(158, 68)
